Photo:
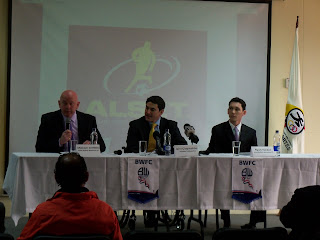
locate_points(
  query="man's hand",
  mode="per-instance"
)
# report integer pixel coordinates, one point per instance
(65, 137)
(87, 142)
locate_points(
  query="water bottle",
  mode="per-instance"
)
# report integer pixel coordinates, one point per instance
(94, 136)
(276, 142)
(167, 143)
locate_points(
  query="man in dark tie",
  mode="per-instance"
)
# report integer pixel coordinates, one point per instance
(141, 129)
(59, 127)
(221, 142)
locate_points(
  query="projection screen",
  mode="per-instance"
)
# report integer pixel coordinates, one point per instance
(197, 55)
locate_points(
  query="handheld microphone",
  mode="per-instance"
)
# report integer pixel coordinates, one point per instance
(189, 131)
(159, 150)
(68, 120)
(118, 152)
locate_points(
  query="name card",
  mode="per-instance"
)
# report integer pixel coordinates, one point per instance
(88, 150)
(262, 152)
(185, 150)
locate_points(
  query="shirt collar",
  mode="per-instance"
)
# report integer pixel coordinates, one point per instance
(157, 122)
(157, 128)
(233, 126)
(73, 118)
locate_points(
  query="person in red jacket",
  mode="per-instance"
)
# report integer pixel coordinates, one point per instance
(73, 209)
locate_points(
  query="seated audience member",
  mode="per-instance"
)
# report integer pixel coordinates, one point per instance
(53, 135)
(141, 129)
(302, 213)
(73, 209)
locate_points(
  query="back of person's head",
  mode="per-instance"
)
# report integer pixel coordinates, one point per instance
(71, 171)
(157, 100)
(239, 100)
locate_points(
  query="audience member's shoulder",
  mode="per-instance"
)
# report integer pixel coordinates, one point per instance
(308, 189)
(94, 197)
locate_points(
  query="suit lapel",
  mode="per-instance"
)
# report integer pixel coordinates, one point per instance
(228, 131)
(145, 130)
(243, 133)
(80, 126)
(163, 126)
(60, 123)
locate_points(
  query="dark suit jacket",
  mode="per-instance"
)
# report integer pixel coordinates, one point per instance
(52, 126)
(302, 213)
(139, 130)
(222, 137)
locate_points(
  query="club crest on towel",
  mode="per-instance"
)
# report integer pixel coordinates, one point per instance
(143, 179)
(246, 175)
(143, 174)
(246, 179)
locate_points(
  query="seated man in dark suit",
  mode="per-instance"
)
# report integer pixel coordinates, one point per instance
(139, 129)
(73, 209)
(53, 135)
(302, 213)
(221, 142)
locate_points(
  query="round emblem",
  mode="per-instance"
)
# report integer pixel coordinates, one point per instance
(295, 121)
(143, 172)
(247, 173)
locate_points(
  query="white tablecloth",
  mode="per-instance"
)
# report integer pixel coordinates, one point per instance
(185, 183)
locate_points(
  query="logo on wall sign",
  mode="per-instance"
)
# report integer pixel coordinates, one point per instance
(145, 61)
(143, 174)
(246, 175)
(295, 121)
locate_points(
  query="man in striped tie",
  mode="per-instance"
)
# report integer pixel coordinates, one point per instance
(59, 127)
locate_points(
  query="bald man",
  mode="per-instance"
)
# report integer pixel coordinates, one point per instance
(53, 134)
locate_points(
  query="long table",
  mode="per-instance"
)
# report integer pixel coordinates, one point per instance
(202, 182)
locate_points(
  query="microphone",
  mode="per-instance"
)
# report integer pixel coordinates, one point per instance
(68, 120)
(206, 152)
(118, 152)
(189, 131)
(126, 150)
(159, 150)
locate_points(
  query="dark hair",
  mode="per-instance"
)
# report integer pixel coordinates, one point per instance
(239, 100)
(157, 100)
(71, 171)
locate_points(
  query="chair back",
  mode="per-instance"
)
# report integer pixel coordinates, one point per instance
(154, 235)
(72, 237)
(6, 236)
(275, 233)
